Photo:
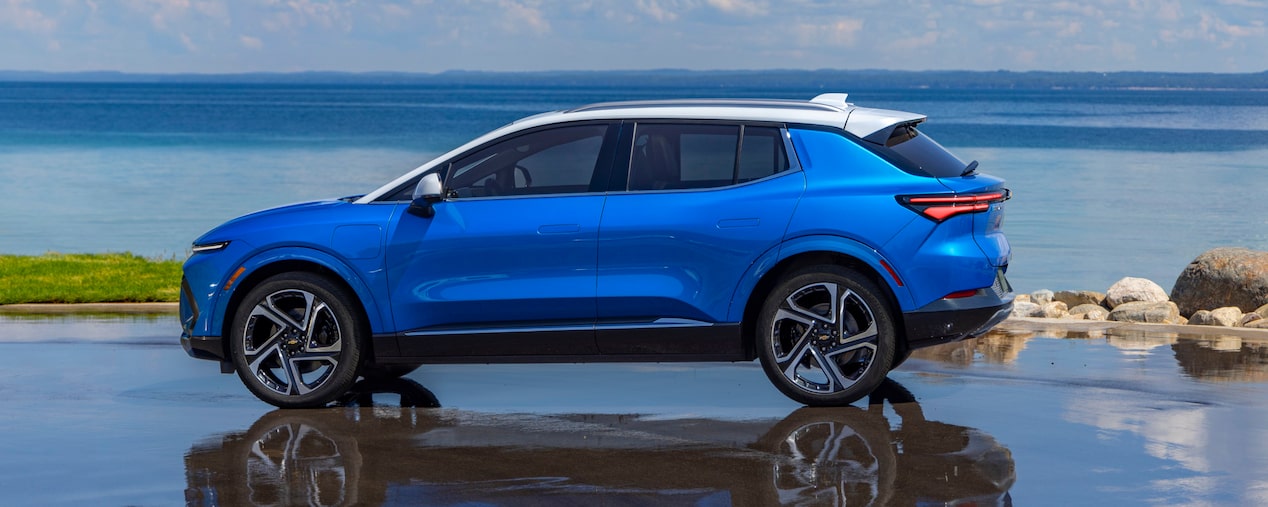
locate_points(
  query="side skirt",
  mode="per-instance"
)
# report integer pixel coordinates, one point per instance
(566, 344)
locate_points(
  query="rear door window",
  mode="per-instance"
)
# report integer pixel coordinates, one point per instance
(687, 156)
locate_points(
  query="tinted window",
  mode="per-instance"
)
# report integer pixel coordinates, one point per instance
(917, 153)
(555, 161)
(668, 157)
(761, 153)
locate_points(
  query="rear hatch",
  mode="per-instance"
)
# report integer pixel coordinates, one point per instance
(974, 193)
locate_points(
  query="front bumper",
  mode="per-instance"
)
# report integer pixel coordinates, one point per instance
(203, 347)
(200, 347)
(949, 320)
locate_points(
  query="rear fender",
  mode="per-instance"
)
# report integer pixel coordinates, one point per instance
(809, 244)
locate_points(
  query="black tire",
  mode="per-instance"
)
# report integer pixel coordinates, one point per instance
(311, 343)
(900, 357)
(825, 350)
(379, 372)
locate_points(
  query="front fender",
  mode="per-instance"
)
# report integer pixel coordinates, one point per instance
(808, 244)
(354, 279)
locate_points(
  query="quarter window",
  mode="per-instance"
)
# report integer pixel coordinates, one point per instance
(762, 154)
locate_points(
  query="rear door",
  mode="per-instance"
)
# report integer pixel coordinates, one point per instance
(699, 203)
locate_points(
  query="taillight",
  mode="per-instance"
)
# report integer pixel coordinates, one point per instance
(939, 207)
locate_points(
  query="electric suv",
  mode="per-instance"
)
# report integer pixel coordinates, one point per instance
(825, 239)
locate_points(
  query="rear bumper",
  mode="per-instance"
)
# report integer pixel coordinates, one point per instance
(949, 320)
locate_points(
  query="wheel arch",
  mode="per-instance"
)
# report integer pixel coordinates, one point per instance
(262, 267)
(815, 253)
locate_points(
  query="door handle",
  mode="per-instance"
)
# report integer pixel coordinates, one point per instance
(734, 223)
(559, 229)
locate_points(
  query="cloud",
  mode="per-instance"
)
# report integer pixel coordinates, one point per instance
(840, 32)
(163, 13)
(739, 7)
(1169, 11)
(19, 15)
(297, 14)
(653, 9)
(517, 15)
(250, 42)
(394, 10)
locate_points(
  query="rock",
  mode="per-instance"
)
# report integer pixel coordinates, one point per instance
(1229, 316)
(1250, 317)
(1073, 298)
(1041, 297)
(1164, 312)
(1090, 311)
(1259, 324)
(1223, 277)
(1053, 310)
(1024, 309)
(1262, 311)
(1130, 290)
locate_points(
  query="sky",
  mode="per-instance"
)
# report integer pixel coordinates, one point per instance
(229, 36)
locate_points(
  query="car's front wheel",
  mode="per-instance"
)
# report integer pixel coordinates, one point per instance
(826, 336)
(296, 341)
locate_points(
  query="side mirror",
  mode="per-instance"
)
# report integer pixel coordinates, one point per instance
(428, 192)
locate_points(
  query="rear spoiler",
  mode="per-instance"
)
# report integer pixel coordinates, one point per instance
(876, 125)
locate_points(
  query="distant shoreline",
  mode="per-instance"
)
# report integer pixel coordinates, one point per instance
(835, 79)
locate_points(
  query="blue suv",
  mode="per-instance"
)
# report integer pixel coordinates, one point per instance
(825, 239)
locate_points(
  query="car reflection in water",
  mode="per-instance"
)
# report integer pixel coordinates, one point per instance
(368, 453)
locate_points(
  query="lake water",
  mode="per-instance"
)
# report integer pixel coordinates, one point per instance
(1106, 183)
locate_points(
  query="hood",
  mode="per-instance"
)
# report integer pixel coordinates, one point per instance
(227, 230)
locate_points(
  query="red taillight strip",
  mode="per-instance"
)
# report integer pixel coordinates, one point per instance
(942, 207)
(941, 213)
(955, 199)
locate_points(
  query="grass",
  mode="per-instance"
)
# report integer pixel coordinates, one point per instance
(88, 278)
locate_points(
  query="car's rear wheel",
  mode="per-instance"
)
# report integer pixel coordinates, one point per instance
(826, 336)
(296, 342)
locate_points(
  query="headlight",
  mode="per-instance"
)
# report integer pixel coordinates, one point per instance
(209, 247)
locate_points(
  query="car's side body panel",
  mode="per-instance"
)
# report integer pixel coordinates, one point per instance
(677, 254)
(315, 233)
(515, 262)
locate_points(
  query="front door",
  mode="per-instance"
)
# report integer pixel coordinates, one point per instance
(506, 266)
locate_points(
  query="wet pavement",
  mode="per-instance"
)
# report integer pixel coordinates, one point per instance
(110, 411)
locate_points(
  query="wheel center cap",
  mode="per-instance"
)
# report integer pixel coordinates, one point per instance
(292, 342)
(822, 336)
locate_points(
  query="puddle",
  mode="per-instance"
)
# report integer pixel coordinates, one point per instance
(885, 453)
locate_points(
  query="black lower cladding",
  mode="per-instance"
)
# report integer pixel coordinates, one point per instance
(204, 347)
(932, 326)
(654, 343)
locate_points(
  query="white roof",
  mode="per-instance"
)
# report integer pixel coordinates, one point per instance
(829, 110)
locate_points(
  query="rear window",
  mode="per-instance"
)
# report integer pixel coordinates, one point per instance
(917, 153)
